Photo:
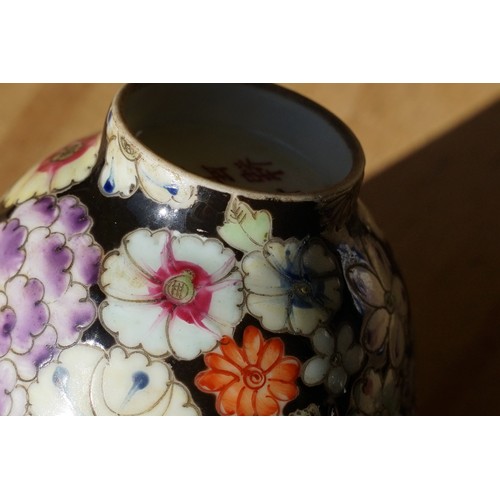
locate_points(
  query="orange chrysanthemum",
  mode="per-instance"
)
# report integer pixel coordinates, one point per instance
(256, 379)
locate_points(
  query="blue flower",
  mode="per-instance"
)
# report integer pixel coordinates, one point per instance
(292, 285)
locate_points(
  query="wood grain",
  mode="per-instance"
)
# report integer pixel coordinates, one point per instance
(390, 120)
(432, 182)
(37, 119)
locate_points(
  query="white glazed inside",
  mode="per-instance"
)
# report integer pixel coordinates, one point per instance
(254, 137)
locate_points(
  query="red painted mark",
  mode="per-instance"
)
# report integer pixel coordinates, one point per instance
(254, 171)
(218, 174)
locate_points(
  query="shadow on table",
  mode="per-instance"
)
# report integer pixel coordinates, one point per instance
(440, 211)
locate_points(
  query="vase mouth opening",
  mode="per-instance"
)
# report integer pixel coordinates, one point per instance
(257, 140)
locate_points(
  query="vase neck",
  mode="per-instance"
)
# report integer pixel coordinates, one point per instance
(260, 141)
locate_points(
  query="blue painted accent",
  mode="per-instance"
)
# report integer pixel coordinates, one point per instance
(141, 381)
(301, 302)
(60, 378)
(296, 274)
(172, 189)
(110, 114)
(109, 185)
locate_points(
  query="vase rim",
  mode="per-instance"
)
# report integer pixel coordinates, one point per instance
(350, 182)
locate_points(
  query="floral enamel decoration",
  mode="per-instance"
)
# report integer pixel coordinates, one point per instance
(377, 393)
(338, 358)
(13, 397)
(170, 293)
(68, 166)
(126, 170)
(254, 379)
(129, 286)
(311, 411)
(245, 229)
(380, 296)
(292, 285)
(49, 261)
(86, 380)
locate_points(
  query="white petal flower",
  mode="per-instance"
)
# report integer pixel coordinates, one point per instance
(315, 370)
(338, 356)
(13, 398)
(63, 387)
(171, 293)
(293, 285)
(130, 385)
(118, 176)
(89, 381)
(126, 169)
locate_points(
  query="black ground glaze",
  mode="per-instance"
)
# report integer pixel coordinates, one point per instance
(115, 217)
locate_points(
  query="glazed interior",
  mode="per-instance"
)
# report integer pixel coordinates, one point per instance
(256, 137)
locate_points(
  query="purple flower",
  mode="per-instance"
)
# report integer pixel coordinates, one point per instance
(380, 296)
(48, 261)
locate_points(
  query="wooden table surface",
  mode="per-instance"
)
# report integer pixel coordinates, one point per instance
(432, 182)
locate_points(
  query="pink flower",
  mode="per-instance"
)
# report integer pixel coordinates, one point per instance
(171, 293)
(67, 155)
(48, 263)
(58, 172)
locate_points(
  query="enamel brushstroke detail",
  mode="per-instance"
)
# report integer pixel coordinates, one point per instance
(86, 380)
(379, 295)
(128, 290)
(49, 261)
(254, 379)
(68, 166)
(172, 296)
(171, 293)
(338, 357)
(125, 171)
(292, 285)
(245, 229)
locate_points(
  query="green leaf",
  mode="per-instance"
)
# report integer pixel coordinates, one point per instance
(245, 229)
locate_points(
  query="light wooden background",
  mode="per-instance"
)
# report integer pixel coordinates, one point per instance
(389, 120)
(432, 181)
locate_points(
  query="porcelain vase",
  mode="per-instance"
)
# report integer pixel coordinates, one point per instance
(206, 254)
